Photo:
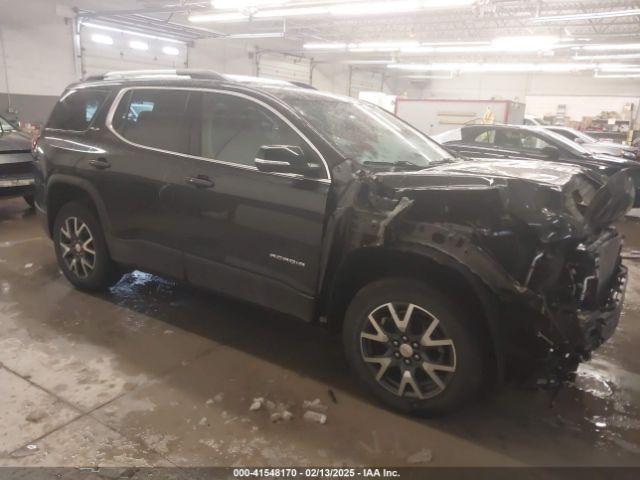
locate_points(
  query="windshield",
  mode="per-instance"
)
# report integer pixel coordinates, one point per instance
(573, 147)
(363, 132)
(5, 126)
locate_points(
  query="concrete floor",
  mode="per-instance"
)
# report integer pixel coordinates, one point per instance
(153, 373)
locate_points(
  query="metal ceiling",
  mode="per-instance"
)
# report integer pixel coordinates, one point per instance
(485, 20)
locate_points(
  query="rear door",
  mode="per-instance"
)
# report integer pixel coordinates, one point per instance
(252, 234)
(138, 174)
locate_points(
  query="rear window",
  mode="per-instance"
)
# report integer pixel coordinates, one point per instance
(155, 118)
(76, 109)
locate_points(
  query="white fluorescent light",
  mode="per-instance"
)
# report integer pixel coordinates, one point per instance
(623, 56)
(619, 75)
(138, 45)
(241, 4)
(168, 50)
(129, 32)
(426, 77)
(324, 46)
(237, 36)
(612, 46)
(587, 16)
(495, 67)
(101, 39)
(351, 8)
(368, 62)
(524, 43)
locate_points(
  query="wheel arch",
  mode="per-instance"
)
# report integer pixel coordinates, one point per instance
(366, 265)
(62, 189)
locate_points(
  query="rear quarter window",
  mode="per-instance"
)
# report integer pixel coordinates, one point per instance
(76, 109)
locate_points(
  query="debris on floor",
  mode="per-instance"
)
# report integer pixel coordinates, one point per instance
(315, 405)
(256, 404)
(203, 421)
(311, 416)
(422, 456)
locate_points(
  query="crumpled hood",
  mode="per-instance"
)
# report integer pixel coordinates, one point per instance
(552, 198)
(489, 172)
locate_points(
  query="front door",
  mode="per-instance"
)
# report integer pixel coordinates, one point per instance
(251, 234)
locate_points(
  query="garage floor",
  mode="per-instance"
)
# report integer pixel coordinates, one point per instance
(154, 373)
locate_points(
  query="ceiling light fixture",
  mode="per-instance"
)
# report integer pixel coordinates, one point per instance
(138, 45)
(101, 39)
(129, 32)
(586, 16)
(169, 50)
(621, 56)
(237, 36)
(495, 67)
(614, 75)
(338, 9)
(612, 46)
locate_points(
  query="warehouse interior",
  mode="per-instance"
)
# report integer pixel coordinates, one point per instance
(157, 373)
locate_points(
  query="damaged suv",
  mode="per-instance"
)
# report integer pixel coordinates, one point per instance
(438, 272)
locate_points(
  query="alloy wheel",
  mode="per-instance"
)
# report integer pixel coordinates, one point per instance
(408, 350)
(77, 246)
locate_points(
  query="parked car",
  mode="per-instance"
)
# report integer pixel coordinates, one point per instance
(598, 146)
(437, 272)
(16, 163)
(537, 143)
(533, 121)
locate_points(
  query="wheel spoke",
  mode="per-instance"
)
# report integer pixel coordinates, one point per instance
(408, 380)
(426, 339)
(65, 250)
(431, 368)
(87, 246)
(401, 325)
(86, 265)
(384, 363)
(380, 336)
(65, 229)
(73, 266)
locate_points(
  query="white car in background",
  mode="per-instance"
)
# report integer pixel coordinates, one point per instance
(597, 146)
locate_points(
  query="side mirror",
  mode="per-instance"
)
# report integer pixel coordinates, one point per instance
(578, 140)
(285, 159)
(552, 153)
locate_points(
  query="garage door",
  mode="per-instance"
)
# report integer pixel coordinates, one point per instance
(364, 81)
(104, 50)
(284, 67)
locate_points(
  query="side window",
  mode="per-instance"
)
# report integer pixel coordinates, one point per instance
(234, 128)
(155, 118)
(522, 140)
(488, 136)
(76, 109)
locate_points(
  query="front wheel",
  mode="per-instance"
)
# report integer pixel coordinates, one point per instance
(415, 349)
(81, 249)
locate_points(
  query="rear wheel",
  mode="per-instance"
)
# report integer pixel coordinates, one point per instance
(29, 199)
(413, 347)
(81, 249)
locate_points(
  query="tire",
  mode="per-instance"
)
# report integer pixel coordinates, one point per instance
(76, 233)
(457, 359)
(29, 199)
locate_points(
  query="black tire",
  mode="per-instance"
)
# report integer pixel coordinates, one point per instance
(29, 199)
(466, 354)
(103, 273)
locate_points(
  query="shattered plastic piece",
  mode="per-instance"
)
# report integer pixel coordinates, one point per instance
(422, 456)
(32, 446)
(28, 265)
(168, 332)
(311, 416)
(315, 405)
(209, 401)
(257, 404)
(203, 421)
(219, 397)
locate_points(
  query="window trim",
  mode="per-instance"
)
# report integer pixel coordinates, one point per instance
(116, 102)
(95, 115)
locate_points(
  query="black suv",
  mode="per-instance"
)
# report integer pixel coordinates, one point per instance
(437, 271)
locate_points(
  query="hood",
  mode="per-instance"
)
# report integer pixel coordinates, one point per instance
(609, 148)
(14, 142)
(554, 199)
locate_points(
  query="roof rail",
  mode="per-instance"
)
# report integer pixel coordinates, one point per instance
(133, 74)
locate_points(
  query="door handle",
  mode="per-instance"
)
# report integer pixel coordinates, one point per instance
(201, 181)
(99, 163)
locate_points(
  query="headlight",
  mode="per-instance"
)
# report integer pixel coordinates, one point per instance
(628, 154)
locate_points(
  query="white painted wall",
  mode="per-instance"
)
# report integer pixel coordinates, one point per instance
(38, 46)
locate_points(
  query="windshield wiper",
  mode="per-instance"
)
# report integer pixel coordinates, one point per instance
(400, 163)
